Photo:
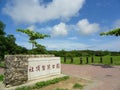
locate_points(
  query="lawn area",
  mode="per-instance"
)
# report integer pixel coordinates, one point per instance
(2, 64)
(105, 60)
(76, 60)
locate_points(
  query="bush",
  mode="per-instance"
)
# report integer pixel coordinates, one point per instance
(40, 84)
(1, 77)
(77, 86)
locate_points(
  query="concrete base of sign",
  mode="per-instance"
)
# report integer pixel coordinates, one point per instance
(32, 82)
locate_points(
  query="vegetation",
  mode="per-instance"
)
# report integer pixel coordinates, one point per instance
(78, 53)
(33, 36)
(24, 88)
(2, 64)
(7, 43)
(105, 60)
(1, 77)
(60, 89)
(43, 83)
(115, 32)
(77, 86)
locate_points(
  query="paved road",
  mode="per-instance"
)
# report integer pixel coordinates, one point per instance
(103, 77)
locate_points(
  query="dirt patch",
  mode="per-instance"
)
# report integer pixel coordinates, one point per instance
(67, 84)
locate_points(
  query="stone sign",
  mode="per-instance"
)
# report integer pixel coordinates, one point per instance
(42, 67)
(22, 68)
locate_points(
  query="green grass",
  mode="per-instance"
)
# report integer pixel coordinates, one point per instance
(106, 60)
(2, 64)
(60, 89)
(1, 77)
(24, 88)
(77, 86)
(42, 84)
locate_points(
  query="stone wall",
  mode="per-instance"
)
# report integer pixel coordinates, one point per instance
(16, 68)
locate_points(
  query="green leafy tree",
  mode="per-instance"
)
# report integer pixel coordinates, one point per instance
(33, 36)
(2, 26)
(115, 32)
(7, 43)
(2, 38)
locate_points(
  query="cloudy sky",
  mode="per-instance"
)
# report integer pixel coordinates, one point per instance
(72, 24)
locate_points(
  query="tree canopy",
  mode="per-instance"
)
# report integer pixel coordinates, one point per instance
(2, 26)
(114, 32)
(7, 43)
(33, 36)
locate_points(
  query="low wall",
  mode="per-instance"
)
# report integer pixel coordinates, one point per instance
(22, 68)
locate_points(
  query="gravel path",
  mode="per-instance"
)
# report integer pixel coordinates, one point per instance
(103, 77)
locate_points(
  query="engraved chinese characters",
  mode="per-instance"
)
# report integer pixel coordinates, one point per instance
(43, 67)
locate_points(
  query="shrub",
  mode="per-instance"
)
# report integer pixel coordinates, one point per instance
(77, 86)
(1, 77)
(40, 84)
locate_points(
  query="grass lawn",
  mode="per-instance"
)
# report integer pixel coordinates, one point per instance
(2, 64)
(76, 60)
(105, 60)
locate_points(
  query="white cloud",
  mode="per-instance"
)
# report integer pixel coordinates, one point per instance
(32, 27)
(24, 44)
(32, 11)
(60, 30)
(63, 29)
(63, 44)
(52, 44)
(86, 28)
(73, 38)
(95, 40)
(113, 45)
(117, 23)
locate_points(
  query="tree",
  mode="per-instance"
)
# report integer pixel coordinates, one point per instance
(2, 38)
(10, 44)
(2, 26)
(7, 43)
(115, 32)
(33, 36)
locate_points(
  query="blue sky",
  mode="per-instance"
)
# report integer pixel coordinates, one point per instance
(72, 24)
